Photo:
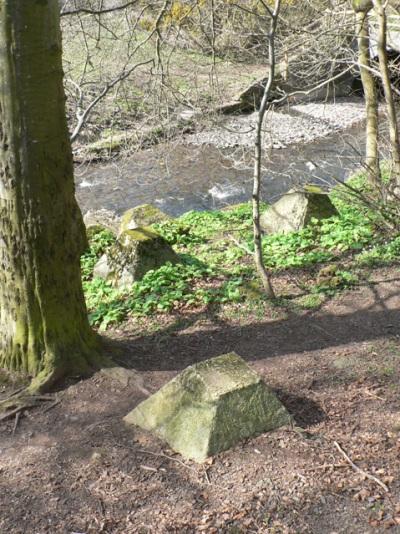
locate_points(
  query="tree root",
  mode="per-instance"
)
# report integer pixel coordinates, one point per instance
(16, 411)
(19, 390)
(33, 395)
(17, 403)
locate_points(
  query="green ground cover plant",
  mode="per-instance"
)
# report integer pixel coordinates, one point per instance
(216, 264)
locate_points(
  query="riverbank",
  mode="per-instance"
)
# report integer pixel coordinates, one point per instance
(216, 267)
(285, 126)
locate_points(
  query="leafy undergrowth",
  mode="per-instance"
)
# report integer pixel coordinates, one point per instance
(216, 267)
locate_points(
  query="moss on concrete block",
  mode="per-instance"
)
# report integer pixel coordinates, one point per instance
(96, 220)
(210, 407)
(144, 215)
(134, 254)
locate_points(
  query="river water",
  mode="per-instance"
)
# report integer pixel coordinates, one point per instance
(180, 177)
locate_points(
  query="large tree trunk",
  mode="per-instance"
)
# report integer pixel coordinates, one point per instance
(44, 329)
(371, 100)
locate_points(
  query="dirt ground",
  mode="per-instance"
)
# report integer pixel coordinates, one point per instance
(76, 468)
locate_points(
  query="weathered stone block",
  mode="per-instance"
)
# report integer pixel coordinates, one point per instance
(210, 407)
(134, 254)
(144, 215)
(295, 210)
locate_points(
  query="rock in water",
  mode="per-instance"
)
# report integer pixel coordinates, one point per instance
(134, 254)
(144, 215)
(209, 407)
(295, 210)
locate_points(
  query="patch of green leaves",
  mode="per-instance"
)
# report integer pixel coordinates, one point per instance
(195, 227)
(310, 301)
(380, 254)
(169, 288)
(340, 280)
(99, 243)
(217, 265)
(177, 232)
(320, 242)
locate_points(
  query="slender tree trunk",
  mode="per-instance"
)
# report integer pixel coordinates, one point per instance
(371, 100)
(258, 255)
(387, 88)
(44, 329)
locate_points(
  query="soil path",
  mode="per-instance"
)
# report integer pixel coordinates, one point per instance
(77, 469)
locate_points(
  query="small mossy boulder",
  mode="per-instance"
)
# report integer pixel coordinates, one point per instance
(295, 210)
(134, 254)
(210, 407)
(144, 215)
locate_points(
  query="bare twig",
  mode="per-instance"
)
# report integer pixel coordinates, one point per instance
(240, 245)
(15, 411)
(373, 394)
(82, 117)
(207, 476)
(312, 89)
(20, 401)
(13, 394)
(17, 417)
(359, 470)
(97, 423)
(43, 398)
(148, 468)
(162, 455)
(98, 11)
(51, 406)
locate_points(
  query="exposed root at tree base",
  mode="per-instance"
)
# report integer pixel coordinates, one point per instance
(91, 362)
(15, 404)
(33, 395)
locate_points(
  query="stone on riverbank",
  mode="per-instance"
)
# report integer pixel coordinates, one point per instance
(134, 254)
(295, 210)
(96, 220)
(144, 215)
(102, 268)
(210, 407)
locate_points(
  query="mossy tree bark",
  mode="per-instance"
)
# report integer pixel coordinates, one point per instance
(371, 99)
(44, 329)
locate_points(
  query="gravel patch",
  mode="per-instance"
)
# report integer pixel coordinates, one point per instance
(303, 123)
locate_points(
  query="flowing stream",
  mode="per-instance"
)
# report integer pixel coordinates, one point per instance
(180, 177)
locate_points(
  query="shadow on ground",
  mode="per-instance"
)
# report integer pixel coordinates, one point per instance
(304, 410)
(299, 333)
